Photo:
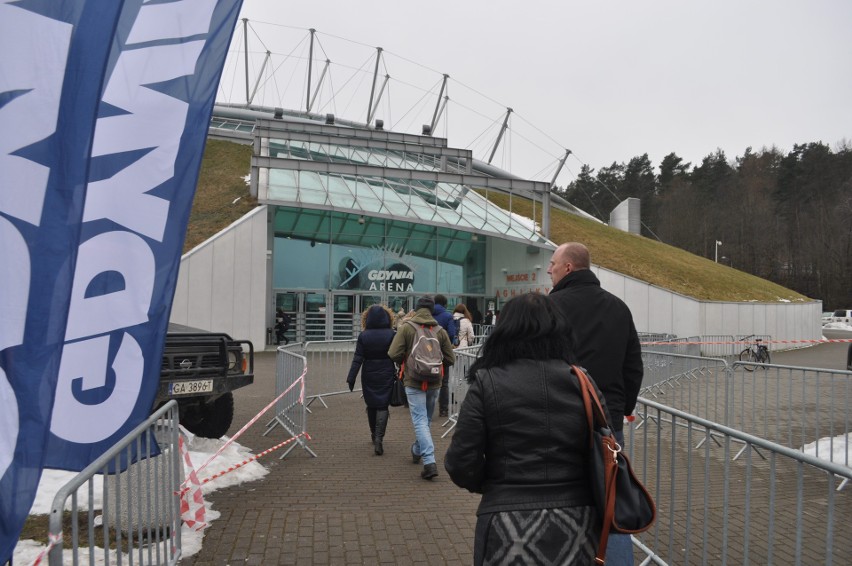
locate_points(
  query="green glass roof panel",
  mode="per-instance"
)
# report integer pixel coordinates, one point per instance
(421, 200)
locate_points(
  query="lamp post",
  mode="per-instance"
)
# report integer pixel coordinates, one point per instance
(718, 243)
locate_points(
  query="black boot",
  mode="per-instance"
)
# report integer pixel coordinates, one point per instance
(381, 425)
(371, 418)
(429, 471)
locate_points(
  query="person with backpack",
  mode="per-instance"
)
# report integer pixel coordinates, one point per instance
(422, 347)
(462, 317)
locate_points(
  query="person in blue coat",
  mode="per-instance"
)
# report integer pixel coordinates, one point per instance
(445, 319)
(377, 369)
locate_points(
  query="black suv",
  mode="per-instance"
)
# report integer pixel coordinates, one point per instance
(200, 370)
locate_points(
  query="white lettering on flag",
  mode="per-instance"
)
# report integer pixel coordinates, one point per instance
(87, 362)
(28, 117)
(154, 121)
(23, 181)
(125, 254)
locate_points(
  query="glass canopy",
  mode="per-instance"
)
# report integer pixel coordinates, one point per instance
(412, 200)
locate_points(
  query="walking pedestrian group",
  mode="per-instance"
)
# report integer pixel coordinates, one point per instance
(521, 437)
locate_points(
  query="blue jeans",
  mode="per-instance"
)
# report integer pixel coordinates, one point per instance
(619, 548)
(421, 404)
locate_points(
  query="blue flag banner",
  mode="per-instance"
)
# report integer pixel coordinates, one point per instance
(48, 108)
(104, 108)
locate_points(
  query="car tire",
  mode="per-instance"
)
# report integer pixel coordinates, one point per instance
(213, 419)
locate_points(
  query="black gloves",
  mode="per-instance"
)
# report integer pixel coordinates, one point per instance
(351, 386)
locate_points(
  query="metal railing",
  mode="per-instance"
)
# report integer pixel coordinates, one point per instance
(724, 491)
(290, 385)
(457, 384)
(773, 505)
(792, 406)
(788, 405)
(140, 518)
(481, 331)
(328, 363)
(726, 346)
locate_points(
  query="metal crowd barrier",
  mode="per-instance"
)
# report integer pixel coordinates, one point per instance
(480, 331)
(724, 491)
(328, 365)
(692, 384)
(788, 405)
(140, 517)
(725, 346)
(773, 505)
(719, 346)
(458, 383)
(792, 406)
(290, 385)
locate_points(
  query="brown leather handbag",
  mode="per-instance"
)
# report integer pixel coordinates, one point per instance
(623, 503)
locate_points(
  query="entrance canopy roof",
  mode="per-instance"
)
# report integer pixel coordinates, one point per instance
(387, 177)
(417, 239)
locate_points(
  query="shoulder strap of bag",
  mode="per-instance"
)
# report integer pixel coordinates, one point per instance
(594, 410)
(596, 418)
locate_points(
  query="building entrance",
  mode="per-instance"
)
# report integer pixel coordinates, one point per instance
(318, 316)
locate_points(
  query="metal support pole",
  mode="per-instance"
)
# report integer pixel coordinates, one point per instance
(545, 203)
(500, 135)
(259, 76)
(319, 84)
(559, 168)
(373, 88)
(310, 67)
(438, 104)
(378, 100)
(245, 48)
(440, 112)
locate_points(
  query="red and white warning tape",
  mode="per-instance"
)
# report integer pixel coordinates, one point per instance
(192, 510)
(823, 341)
(255, 457)
(300, 380)
(53, 540)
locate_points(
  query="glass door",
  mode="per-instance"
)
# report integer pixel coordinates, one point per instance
(343, 317)
(315, 317)
(400, 304)
(288, 305)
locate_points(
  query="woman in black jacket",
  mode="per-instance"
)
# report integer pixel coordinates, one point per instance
(522, 441)
(378, 371)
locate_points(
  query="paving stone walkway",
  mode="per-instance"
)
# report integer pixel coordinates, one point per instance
(347, 505)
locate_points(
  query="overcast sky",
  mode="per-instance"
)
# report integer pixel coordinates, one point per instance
(609, 80)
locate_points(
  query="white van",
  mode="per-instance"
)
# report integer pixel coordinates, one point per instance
(842, 315)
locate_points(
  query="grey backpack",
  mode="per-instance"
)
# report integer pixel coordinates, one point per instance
(425, 361)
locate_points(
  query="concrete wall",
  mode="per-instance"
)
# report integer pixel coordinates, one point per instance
(516, 268)
(659, 310)
(222, 283)
(627, 216)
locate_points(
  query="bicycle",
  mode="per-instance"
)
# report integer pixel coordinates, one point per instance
(755, 352)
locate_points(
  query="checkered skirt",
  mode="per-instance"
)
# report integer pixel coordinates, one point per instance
(565, 535)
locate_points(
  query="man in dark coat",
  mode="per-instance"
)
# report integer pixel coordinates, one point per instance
(606, 344)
